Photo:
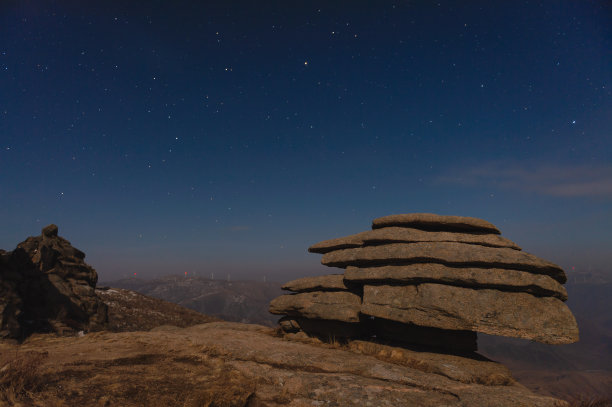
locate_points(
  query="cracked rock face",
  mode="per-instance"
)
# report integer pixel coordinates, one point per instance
(443, 277)
(46, 286)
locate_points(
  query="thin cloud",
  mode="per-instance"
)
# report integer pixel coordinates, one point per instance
(552, 180)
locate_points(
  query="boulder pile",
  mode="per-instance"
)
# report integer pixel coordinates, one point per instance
(46, 286)
(429, 280)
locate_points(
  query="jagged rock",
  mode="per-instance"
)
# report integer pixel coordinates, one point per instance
(493, 312)
(332, 282)
(430, 221)
(503, 279)
(334, 305)
(50, 230)
(46, 286)
(408, 235)
(449, 253)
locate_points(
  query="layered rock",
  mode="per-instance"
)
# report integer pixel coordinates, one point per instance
(335, 305)
(431, 221)
(450, 253)
(46, 286)
(503, 279)
(332, 282)
(432, 280)
(394, 234)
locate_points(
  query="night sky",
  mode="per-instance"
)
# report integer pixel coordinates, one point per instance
(201, 136)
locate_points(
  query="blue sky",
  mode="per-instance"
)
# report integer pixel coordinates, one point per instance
(166, 137)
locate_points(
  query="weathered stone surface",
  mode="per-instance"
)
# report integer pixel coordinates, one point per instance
(466, 369)
(493, 312)
(50, 230)
(449, 253)
(46, 286)
(503, 279)
(346, 242)
(289, 325)
(430, 221)
(334, 305)
(246, 365)
(332, 282)
(409, 235)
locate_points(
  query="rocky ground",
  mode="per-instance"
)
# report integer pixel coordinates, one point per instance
(233, 364)
(580, 370)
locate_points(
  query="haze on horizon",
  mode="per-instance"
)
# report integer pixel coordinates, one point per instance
(223, 137)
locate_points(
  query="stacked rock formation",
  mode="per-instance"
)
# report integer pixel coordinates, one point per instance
(46, 286)
(431, 280)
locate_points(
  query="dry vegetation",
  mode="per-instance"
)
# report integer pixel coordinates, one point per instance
(148, 379)
(591, 402)
(22, 384)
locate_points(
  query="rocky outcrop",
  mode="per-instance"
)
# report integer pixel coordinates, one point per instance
(232, 364)
(46, 286)
(434, 281)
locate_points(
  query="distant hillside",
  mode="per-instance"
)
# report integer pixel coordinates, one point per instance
(129, 311)
(236, 301)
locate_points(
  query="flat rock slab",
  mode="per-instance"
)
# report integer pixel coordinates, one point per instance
(430, 221)
(231, 362)
(332, 282)
(502, 279)
(493, 312)
(449, 253)
(470, 370)
(333, 305)
(409, 235)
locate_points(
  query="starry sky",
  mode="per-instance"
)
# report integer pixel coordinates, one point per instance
(226, 136)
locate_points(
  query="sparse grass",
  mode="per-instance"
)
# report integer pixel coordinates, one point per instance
(229, 388)
(154, 380)
(591, 402)
(20, 376)
(21, 379)
(405, 358)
